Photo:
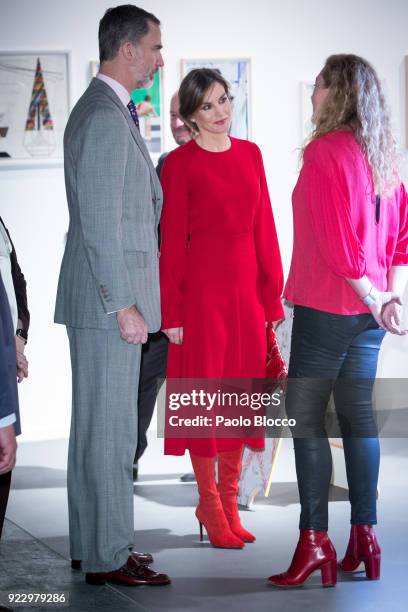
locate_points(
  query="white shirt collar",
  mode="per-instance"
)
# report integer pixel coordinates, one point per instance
(117, 87)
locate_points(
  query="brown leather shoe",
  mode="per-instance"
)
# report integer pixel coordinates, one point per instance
(143, 558)
(132, 573)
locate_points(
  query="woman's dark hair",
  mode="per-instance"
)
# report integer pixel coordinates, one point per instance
(194, 87)
(120, 24)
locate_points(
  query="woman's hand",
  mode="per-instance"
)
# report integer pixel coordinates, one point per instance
(274, 324)
(391, 316)
(174, 334)
(382, 298)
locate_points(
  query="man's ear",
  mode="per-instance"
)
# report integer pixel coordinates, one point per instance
(127, 49)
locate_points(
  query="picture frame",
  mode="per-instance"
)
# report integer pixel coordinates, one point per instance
(149, 106)
(150, 111)
(34, 107)
(237, 71)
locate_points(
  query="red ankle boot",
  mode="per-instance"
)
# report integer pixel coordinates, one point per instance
(209, 511)
(363, 547)
(229, 468)
(314, 551)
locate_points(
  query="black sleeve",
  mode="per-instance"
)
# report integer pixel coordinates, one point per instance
(20, 287)
(160, 164)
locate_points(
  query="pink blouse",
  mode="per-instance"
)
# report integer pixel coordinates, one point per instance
(337, 233)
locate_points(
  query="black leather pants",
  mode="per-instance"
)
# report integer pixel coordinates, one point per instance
(334, 354)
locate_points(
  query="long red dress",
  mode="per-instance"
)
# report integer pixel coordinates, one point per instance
(220, 270)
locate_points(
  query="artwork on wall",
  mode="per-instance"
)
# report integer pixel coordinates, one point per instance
(149, 109)
(237, 73)
(34, 106)
(306, 109)
(148, 105)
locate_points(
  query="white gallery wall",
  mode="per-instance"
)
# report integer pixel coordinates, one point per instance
(287, 42)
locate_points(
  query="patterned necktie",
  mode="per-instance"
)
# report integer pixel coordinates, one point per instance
(133, 112)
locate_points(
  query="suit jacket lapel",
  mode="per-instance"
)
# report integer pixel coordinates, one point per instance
(156, 188)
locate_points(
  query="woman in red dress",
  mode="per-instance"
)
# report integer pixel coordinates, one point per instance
(221, 280)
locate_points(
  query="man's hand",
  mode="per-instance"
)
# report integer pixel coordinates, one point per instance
(22, 363)
(132, 326)
(391, 316)
(174, 334)
(22, 367)
(20, 344)
(8, 448)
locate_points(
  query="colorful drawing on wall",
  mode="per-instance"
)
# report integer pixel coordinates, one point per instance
(34, 105)
(148, 104)
(236, 72)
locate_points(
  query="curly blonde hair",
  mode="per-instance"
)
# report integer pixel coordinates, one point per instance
(356, 101)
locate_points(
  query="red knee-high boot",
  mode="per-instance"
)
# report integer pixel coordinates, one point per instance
(229, 468)
(313, 552)
(363, 547)
(209, 511)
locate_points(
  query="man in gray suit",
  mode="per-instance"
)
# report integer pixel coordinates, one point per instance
(108, 295)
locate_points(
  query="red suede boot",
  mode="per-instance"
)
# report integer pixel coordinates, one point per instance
(229, 468)
(363, 547)
(209, 511)
(314, 551)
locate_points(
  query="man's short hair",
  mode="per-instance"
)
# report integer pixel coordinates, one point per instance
(121, 24)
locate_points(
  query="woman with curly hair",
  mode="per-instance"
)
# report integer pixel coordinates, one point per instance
(346, 281)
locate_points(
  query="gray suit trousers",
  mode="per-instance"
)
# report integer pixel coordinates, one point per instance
(102, 445)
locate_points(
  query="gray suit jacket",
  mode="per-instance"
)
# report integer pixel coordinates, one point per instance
(114, 199)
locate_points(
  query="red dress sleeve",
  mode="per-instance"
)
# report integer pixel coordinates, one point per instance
(268, 252)
(174, 241)
(331, 221)
(400, 257)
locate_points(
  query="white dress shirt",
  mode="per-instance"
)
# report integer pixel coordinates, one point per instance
(117, 87)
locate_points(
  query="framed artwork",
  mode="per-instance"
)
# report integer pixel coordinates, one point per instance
(149, 109)
(237, 73)
(306, 109)
(34, 106)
